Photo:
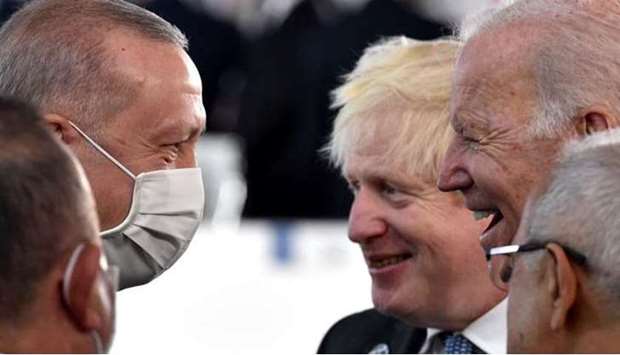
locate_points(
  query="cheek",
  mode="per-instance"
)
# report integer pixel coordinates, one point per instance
(187, 157)
(518, 319)
(411, 294)
(487, 174)
(487, 167)
(458, 227)
(526, 314)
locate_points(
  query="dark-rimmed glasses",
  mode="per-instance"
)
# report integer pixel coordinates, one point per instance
(501, 260)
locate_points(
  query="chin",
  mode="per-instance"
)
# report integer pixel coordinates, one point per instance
(389, 303)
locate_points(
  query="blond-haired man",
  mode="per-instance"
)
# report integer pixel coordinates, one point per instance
(421, 245)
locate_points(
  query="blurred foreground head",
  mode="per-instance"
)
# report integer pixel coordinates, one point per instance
(57, 291)
(420, 244)
(564, 282)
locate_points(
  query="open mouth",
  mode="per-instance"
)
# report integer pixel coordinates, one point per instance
(490, 236)
(497, 217)
(482, 214)
(382, 262)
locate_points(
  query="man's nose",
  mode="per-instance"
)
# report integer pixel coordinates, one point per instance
(453, 175)
(366, 220)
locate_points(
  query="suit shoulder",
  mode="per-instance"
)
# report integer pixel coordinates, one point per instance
(362, 320)
(361, 332)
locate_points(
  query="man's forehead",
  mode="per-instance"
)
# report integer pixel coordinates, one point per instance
(359, 164)
(147, 61)
(502, 49)
(490, 79)
(381, 167)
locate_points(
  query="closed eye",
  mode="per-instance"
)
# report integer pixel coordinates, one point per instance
(387, 189)
(471, 143)
(393, 194)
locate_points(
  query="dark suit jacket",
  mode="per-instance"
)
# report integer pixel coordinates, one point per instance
(362, 332)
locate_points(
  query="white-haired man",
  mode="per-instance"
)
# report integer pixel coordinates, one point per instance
(563, 269)
(530, 77)
(421, 245)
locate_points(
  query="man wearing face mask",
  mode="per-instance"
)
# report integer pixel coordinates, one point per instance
(115, 84)
(58, 292)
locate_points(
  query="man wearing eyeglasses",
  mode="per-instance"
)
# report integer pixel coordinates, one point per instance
(57, 290)
(564, 270)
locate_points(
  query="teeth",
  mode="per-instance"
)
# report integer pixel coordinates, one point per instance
(478, 215)
(389, 261)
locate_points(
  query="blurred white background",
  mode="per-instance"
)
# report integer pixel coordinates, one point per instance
(240, 291)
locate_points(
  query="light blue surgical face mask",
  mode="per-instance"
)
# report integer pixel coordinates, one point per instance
(105, 290)
(166, 210)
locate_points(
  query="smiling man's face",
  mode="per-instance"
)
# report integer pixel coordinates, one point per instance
(494, 160)
(420, 244)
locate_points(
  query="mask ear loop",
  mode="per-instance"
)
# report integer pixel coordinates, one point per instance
(100, 149)
(66, 286)
(97, 341)
(66, 278)
(103, 151)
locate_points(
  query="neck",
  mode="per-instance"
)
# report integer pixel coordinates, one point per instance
(46, 328)
(593, 329)
(43, 336)
(602, 339)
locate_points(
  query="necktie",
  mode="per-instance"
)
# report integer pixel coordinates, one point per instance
(458, 344)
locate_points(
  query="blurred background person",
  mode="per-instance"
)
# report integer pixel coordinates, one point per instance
(215, 46)
(563, 269)
(8, 7)
(420, 245)
(285, 117)
(57, 291)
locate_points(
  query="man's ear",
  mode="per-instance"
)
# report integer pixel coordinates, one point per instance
(593, 121)
(562, 285)
(81, 296)
(61, 128)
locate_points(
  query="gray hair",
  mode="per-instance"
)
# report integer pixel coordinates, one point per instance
(579, 208)
(576, 55)
(52, 55)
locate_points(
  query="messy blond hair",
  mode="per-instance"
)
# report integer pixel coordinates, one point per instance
(403, 82)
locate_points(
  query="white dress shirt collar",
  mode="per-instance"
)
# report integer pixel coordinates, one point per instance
(488, 332)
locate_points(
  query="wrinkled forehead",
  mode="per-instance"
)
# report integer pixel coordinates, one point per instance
(381, 167)
(144, 61)
(494, 74)
(497, 55)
